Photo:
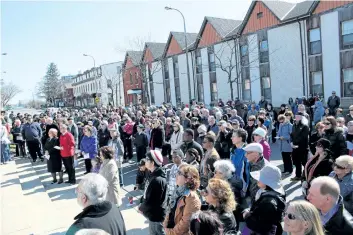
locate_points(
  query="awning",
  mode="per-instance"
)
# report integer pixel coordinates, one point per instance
(135, 91)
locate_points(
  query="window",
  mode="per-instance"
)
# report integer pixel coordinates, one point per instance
(198, 65)
(348, 82)
(266, 87)
(131, 78)
(244, 50)
(263, 51)
(315, 41)
(246, 89)
(166, 69)
(347, 33)
(259, 15)
(316, 83)
(214, 91)
(176, 67)
(136, 77)
(211, 60)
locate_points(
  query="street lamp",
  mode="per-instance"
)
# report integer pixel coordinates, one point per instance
(186, 48)
(4, 53)
(96, 74)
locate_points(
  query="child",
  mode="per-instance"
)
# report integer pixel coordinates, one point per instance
(141, 177)
(96, 164)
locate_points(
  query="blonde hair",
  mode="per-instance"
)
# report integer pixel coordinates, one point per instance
(307, 212)
(221, 190)
(346, 161)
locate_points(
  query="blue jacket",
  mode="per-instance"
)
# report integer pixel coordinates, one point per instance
(31, 131)
(284, 131)
(89, 145)
(242, 166)
(319, 111)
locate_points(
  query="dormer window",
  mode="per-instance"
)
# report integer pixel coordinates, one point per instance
(259, 15)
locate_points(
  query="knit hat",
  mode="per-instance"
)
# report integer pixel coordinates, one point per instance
(324, 143)
(141, 126)
(269, 175)
(260, 131)
(254, 147)
(157, 157)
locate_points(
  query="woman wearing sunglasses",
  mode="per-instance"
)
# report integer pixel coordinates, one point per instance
(302, 218)
(342, 173)
(335, 136)
(319, 165)
(185, 201)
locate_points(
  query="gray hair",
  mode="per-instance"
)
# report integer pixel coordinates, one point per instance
(218, 115)
(92, 231)
(95, 187)
(346, 161)
(225, 167)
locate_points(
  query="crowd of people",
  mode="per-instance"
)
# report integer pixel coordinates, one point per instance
(201, 170)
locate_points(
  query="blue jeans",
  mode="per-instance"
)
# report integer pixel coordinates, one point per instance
(156, 228)
(5, 152)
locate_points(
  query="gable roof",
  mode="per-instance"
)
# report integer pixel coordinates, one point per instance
(300, 9)
(135, 57)
(180, 39)
(156, 48)
(278, 8)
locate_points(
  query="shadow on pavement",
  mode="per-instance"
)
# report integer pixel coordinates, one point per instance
(10, 182)
(137, 231)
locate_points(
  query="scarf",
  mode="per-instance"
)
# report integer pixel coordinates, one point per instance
(309, 175)
(179, 192)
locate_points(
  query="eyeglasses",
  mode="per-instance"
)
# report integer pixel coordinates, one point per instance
(204, 142)
(290, 216)
(251, 120)
(339, 167)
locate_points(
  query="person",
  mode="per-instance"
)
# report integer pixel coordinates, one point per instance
(315, 136)
(109, 170)
(333, 102)
(168, 130)
(324, 194)
(189, 142)
(192, 158)
(185, 201)
(211, 156)
(88, 148)
(250, 127)
(141, 175)
(212, 125)
(49, 124)
(342, 173)
(117, 145)
(206, 223)
(157, 135)
(223, 140)
(32, 134)
(299, 137)
(67, 151)
(73, 129)
(263, 103)
(349, 116)
(342, 125)
(301, 218)
(103, 134)
(128, 130)
(220, 198)
(184, 121)
(252, 111)
(259, 136)
(140, 142)
(266, 212)
(256, 162)
(177, 158)
(54, 162)
(98, 213)
(96, 164)
(153, 205)
(16, 132)
(201, 132)
(284, 131)
(5, 149)
(335, 136)
(318, 165)
(176, 140)
(319, 112)
(234, 116)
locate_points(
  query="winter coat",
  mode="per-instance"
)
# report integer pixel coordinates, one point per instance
(285, 130)
(348, 118)
(176, 140)
(141, 140)
(266, 149)
(74, 131)
(109, 170)
(300, 136)
(157, 138)
(103, 137)
(227, 219)
(89, 145)
(338, 145)
(186, 206)
(54, 163)
(104, 215)
(153, 205)
(31, 132)
(186, 146)
(249, 130)
(16, 132)
(223, 144)
(324, 168)
(67, 141)
(319, 111)
(312, 141)
(242, 167)
(263, 104)
(266, 214)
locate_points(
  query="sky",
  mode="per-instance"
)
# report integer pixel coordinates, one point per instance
(36, 33)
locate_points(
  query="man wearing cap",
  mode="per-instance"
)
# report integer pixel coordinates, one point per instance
(254, 154)
(140, 142)
(333, 103)
(153, 206)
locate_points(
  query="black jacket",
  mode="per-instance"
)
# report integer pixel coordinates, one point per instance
(141, 140)
(105, 216)
(300, 135)
(340, 223)
(186, 146)
(227, 219)
(266, 214)
(312, 141)
(103, 137)
(157, 138)
(338, 145)
(324, 168)
(153, 206)
(223, 144)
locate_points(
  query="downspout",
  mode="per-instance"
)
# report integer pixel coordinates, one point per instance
(302, 57)
(236, 68)
(194, 75)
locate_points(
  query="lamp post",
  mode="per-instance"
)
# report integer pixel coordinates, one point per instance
(186, 48)
(94, 67)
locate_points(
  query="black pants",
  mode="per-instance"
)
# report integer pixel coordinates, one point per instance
(140, 152)
(88, 165)
(287, 162)
(35, 149)
(299, 157)
(69, 166)
(127, 149)
(20, 148)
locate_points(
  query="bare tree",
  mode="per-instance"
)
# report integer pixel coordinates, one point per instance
(112, 80)
(8, 92)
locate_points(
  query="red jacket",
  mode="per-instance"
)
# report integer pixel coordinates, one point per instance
(67, 141)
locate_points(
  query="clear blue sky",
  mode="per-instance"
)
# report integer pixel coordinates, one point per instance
(37, 33)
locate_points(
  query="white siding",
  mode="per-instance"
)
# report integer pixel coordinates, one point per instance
(254, 67)
(224, 55)
(190, 56)
(158, 83)
(183, 78)
(330, 53)
(171, 78)
(206, 77)
(285, 63)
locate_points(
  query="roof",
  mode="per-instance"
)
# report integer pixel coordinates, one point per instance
(222, 26)
(279, 8)
(180, 38)
(135, 56)
(300, 9)
(156, 49)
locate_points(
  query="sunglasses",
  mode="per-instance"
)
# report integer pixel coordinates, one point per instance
(286, 108)
(339, 167)
(290, 216)
(251, 120)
